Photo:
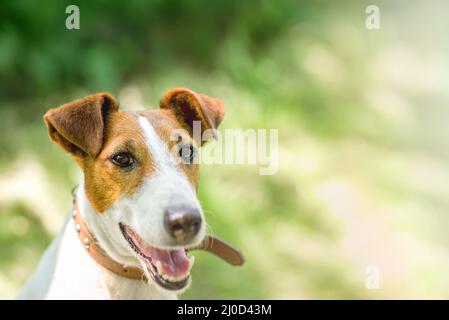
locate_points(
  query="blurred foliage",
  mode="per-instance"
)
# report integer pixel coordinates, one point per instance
(117, 41)
(358, 183)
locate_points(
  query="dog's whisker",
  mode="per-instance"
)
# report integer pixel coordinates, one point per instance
(210, 229)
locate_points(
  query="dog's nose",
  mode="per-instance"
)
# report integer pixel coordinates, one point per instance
(182, 224)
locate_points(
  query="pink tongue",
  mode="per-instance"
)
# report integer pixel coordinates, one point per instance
(174, 262)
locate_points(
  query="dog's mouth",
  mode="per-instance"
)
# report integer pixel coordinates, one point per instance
(170, 269)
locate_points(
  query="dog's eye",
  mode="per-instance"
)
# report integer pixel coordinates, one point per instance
(187, 153)
(123, 160)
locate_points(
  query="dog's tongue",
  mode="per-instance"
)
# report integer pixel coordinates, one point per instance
(174, 263)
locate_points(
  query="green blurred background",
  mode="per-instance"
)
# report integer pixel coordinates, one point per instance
(362, 115)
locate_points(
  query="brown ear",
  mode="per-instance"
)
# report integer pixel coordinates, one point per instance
(190, 106)
(78, 126)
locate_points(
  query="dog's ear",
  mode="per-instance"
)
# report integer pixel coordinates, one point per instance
(190, 106)
(79, 126)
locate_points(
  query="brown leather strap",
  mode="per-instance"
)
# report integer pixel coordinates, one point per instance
(221, 249)
(98, 254)
(215, 245)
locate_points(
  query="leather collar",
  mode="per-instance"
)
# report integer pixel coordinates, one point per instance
(214, 245)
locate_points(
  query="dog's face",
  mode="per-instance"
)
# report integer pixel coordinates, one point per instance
(141, 176)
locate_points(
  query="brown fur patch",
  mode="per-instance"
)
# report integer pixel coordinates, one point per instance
(104, 181)
(78, 126)
(189, 106)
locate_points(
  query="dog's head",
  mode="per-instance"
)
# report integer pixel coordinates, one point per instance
(139, 177)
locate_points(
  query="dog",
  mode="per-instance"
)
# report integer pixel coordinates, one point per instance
(136, 213)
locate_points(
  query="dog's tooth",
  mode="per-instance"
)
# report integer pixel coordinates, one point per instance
(159, 267)
(191, 262)
(171, 278)
(174, 278)
(168, 277)
(183, 277)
